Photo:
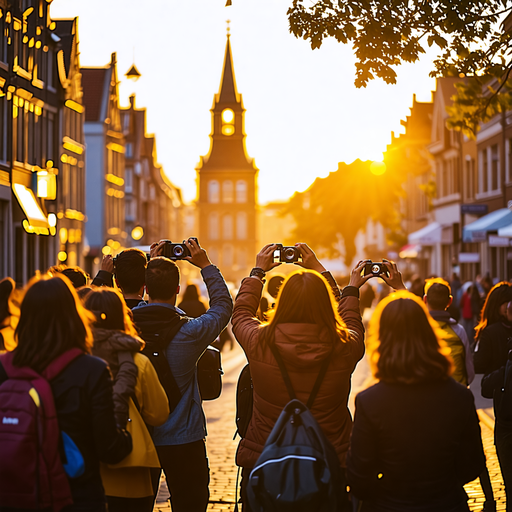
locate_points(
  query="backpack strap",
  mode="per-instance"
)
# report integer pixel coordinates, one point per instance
(283, 370)
(60, 362)
(288, 382)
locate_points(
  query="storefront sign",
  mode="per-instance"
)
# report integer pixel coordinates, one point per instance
(474, 209)
(469, 257)
(477, 236)
(498, 241)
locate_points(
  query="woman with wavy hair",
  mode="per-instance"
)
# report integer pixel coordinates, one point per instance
(53, 324)
(312, 321)
(416, 437)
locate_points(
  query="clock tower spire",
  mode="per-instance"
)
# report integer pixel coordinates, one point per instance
(227, 181)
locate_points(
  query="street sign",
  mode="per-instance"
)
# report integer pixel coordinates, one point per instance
(469, 257)
(474, 209)
(498, 241)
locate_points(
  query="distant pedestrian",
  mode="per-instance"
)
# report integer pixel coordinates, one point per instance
(470, 309)
(77, 276)
(438, 299)
(416, 438)
(314, 322)
(53, 323)
(192, 302)
(139, 400)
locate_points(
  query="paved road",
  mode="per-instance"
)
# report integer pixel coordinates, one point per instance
(221, 447)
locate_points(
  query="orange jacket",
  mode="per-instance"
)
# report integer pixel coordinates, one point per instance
(303, 347)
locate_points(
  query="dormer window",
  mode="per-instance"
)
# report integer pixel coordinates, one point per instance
(228, 122)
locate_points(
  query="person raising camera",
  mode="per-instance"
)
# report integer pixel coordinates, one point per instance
(180, 441)
(313, 320)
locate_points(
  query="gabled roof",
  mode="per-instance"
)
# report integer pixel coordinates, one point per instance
(65, 29)
(93, 83)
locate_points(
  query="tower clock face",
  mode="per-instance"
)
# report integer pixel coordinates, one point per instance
(228, 121)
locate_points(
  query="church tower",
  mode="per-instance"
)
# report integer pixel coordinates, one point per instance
(227, 183)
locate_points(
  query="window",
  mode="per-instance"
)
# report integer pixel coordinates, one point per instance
(213, 226)
(242, 258)
(495, 167)
(213, 191)
(228, 122)
(31, 138)
(241, 191)
(128, 180)
(241, 225)
(50, 69)
(485, 170)
(469, 178)
(49, 150)
(129, 150)
(227, 256)
(227, 191)
(227, 227)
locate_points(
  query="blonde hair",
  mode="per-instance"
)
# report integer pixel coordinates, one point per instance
(305, 297)
(405, 343)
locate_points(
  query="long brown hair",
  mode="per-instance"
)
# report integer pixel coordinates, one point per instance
(110, 310)
(490, 314)
(52, 320)
(405, 343)
(305, 297)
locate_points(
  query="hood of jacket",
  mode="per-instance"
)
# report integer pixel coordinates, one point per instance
(154, 318)
(442, 316)
(108, 343)
(300, 345)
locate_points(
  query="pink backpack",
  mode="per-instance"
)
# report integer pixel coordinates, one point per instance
(31, 471)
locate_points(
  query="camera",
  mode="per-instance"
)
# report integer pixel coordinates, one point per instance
(288, 254)
(176, 251)
(375, 269)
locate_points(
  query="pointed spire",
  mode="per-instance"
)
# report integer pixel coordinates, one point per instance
(227, 89)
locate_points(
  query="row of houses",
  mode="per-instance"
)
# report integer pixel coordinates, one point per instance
(458, 195)
(79, 175)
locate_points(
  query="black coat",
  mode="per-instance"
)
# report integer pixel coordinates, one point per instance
(413, 447)
(498, 388)
(493, 348)
(85, 410)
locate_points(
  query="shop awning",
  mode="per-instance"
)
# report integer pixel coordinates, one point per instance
(30, 206)
(477, 231)
(429, 235)
(409, 251)
(506, 231)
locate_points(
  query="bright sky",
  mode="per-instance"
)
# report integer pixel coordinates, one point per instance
(304, 114)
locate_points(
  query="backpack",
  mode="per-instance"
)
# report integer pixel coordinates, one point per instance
(244, 401)
(209, 374)
(32, 474)
(156, 345)
(298, 469)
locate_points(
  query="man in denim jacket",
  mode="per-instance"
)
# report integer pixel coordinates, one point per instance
(180, 441)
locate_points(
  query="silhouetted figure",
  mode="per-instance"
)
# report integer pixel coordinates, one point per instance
(191, 303)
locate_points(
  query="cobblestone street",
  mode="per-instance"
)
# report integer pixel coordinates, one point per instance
(221, 447)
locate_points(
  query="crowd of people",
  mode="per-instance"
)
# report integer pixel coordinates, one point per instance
(99, 387)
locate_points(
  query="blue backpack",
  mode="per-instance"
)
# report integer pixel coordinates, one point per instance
(298, 470)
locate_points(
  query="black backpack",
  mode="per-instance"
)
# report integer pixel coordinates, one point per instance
(209, 374)
(244, 401)
(298, 470)
(156, 345)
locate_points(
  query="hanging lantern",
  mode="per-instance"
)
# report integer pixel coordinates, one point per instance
(133, 73)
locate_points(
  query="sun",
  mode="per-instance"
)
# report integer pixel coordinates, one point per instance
(378, 168)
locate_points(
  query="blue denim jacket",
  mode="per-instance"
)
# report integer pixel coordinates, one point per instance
(187, 423)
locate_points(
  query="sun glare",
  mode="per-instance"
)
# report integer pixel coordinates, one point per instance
(378, 168)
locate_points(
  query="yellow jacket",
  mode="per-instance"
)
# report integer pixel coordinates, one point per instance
(131, 477)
